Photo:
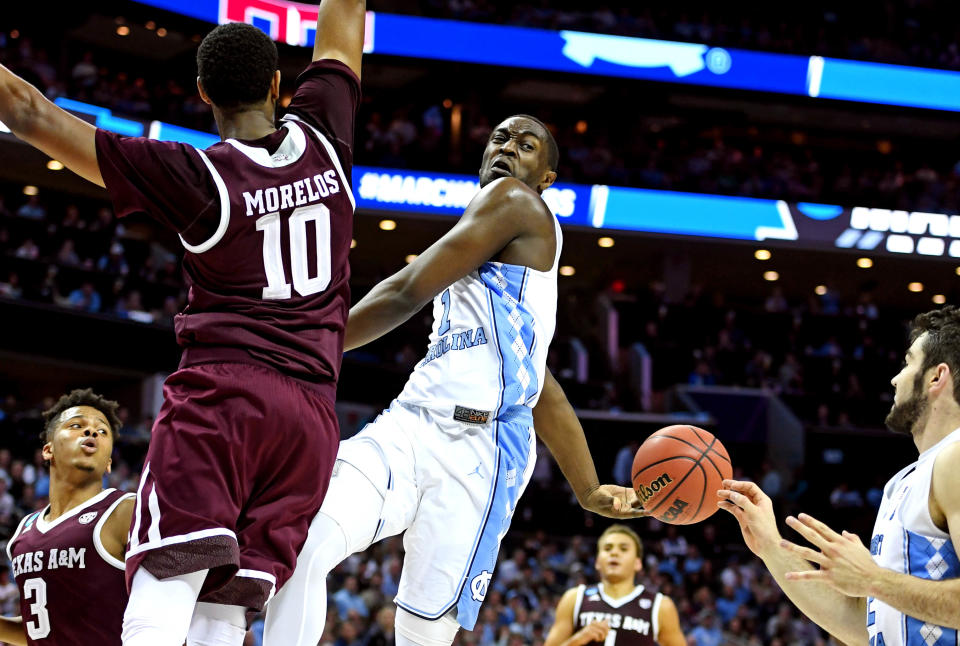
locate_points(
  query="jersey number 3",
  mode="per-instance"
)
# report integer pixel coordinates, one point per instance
(35, 591)
(277, 286)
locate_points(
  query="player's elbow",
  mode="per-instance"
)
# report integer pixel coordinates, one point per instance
(26, 110)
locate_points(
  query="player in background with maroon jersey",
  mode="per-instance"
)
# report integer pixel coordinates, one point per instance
(266, 218)
(71, 552)
(617, 611)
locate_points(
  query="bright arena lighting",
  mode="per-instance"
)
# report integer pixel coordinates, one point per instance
(771, 276)
(410, 258)
(53, 164)
(353, 243)
(30, 190)
(762, 254)
(605, 242)
(388, 225)
(915, 287)
(820, 290)
(567, 270)
(939, 299)
(864, 263)
(123, 30)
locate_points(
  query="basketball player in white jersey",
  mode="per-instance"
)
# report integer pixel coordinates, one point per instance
(449, 459)
(905, 589)
(617, 611)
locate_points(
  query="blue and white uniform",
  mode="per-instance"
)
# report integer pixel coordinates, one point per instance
(906, 540)
(454, 452)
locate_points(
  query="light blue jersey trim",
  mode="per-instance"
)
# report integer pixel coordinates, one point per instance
(927, 561)
(512, 321)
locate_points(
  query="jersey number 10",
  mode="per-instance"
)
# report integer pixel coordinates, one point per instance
(277, 286)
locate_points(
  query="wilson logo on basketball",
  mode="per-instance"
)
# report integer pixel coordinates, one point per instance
(646, 492)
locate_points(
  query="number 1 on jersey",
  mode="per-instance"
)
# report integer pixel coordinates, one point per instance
(445, 319)
(277, 286)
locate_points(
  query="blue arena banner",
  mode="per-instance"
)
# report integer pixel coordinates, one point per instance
(618, 208)
(578, 52)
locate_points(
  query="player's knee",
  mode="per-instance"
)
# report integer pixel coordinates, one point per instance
(412, 630)
(217, 625)
(159, 610)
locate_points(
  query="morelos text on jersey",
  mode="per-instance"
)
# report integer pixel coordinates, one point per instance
(487, 351)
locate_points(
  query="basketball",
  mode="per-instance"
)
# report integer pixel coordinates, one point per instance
(677, 472)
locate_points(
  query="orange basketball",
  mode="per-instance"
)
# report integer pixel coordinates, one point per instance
(677, 472)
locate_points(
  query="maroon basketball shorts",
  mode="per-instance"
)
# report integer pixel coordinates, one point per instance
(238, 464)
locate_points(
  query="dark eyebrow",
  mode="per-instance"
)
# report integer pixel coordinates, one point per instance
(504, 131)
(99, 419)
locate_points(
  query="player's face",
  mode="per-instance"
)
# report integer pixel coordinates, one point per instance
(82, 440)
(516, 148)
(617, 558)
(910, 404)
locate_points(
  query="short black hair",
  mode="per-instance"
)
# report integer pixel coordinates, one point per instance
(77, 397)
(236, 63)
(553, 151)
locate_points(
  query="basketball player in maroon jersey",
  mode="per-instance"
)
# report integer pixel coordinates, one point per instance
(617, 612)
(67, 559)
(244, 444)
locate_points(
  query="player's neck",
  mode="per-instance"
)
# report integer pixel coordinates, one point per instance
(244, 124)
(939, 425)
(65, 495)
(618, 589)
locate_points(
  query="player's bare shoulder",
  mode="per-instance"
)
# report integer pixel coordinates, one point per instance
(516, 195)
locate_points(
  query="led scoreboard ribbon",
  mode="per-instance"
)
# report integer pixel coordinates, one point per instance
(578, 52)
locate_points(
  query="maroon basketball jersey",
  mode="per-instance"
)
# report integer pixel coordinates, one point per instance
(72, 591)
(266, 225)
(633, 619)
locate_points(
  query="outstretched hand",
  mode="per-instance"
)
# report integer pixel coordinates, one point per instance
(845, 564)
(614, 501)
(754, 511)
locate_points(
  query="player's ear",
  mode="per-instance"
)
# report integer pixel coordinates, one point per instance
(275, 86)
(47, 451)
(546, 181)
(203, 93)
(941, 377)
(637, 564)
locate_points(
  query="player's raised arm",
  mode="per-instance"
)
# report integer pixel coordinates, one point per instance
(557, 425)
(501, 212)
(340, 29)
(12, 632)
(36, 120)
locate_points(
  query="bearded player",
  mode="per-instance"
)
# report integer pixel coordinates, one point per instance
(905, 589)
(448, 461)
(617, 611)
(67, 559)
(244, 444)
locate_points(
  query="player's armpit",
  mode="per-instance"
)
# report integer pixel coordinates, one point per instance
(562, 628)
(43, 125)
(114, 532)
(670, 633)
(340, 31)
(12, 632)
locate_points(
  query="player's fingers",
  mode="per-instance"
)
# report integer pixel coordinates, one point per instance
(732, 508)
(740, 500)
(804, 552)
(808, 533)
(822, 528)
(742, 486)
(853, 538)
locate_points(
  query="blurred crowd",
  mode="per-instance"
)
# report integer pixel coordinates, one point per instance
(74, 253)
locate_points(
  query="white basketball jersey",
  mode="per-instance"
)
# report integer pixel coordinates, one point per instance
(487, 351)
(906, 540)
